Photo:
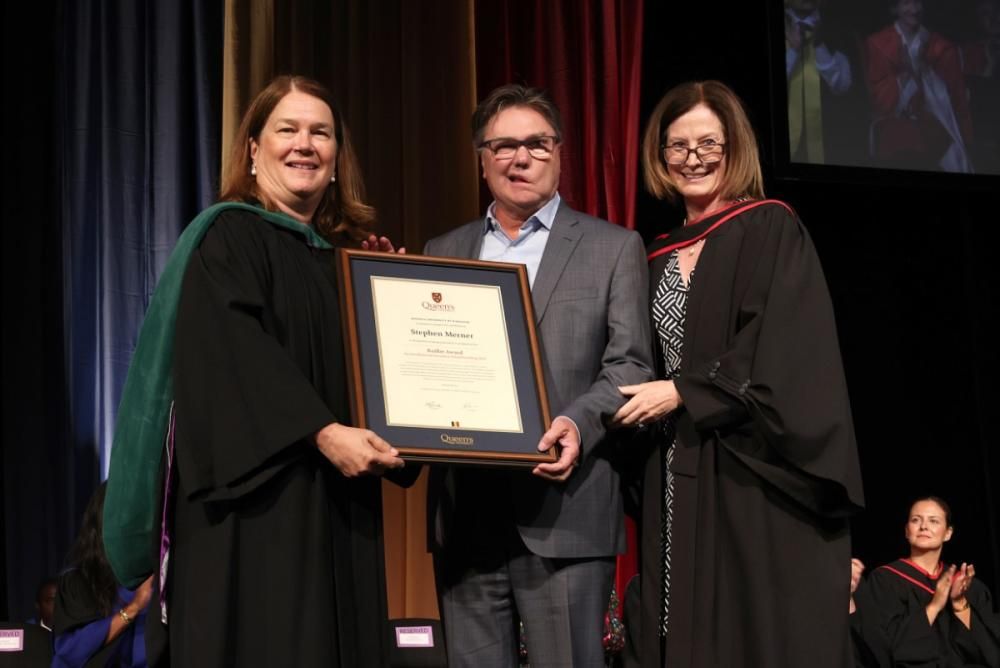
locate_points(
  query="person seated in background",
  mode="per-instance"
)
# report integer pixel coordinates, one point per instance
(45, 599)
(97, 622)
(920, 611)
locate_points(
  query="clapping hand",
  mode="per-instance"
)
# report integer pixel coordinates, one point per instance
(960, 583)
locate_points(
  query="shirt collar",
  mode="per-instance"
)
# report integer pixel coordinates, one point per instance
(546, 215)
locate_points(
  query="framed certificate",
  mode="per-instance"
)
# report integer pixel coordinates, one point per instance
(443, 359)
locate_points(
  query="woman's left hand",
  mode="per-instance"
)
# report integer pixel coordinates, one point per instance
(381, 244)
(648, 403)
(961, 582)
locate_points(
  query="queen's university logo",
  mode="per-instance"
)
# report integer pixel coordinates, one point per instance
(457, 440)
(436, 296)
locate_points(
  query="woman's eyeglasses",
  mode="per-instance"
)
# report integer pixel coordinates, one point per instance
(708, 152)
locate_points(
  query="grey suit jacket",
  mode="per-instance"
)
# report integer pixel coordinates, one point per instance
(592, 316)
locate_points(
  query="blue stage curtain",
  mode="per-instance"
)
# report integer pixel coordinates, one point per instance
(140, 113)
(137, 92)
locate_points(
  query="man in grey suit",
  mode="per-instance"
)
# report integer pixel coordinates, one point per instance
(541, 548)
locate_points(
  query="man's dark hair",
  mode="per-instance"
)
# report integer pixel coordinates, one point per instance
(514, 95)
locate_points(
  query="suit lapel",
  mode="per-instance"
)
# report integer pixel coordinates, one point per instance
(471, 242)
(563, 238)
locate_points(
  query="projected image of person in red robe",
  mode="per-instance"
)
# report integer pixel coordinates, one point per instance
(918, 94)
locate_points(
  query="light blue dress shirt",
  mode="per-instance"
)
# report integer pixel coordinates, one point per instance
(529, 246)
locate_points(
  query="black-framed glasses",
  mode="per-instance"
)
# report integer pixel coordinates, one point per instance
(505, 148)
(707, 151)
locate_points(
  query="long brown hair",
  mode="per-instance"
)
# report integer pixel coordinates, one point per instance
(743, 174)
(342, 214)
(88, 557)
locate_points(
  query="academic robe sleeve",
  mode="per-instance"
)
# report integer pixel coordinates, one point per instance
(780, 374)
(246, 406)
(898, 619)
(980, 643)
(882, 68)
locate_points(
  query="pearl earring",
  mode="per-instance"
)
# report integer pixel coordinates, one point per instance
(333, 179)
(253, 169)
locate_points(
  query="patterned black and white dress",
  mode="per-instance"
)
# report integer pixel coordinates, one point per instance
(669, 309)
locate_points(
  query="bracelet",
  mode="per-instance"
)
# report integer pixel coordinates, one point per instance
(962, 609)
(124, 616)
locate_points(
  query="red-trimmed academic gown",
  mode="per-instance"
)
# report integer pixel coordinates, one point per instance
(892, 602)
(276, 557)
(765, 468)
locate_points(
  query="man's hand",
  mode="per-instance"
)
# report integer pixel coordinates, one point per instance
(563, 432)
(382, 244)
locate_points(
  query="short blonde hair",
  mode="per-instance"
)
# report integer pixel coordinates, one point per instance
(743, 176)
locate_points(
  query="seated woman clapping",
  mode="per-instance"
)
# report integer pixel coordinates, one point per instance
(919, 611)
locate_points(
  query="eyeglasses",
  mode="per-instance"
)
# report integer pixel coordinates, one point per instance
(708, 152)
(505, 148)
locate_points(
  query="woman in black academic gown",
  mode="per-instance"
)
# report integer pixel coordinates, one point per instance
(921, 612)
(752, 471)
(275, 548)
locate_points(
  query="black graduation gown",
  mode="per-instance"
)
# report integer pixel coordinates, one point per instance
(276, 558)
(765, 467)
(892, 604)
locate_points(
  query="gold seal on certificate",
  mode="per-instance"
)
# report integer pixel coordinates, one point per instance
(443, 357)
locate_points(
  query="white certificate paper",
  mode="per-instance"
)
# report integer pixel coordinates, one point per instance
(445, 357)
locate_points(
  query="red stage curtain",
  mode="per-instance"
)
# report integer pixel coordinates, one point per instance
(587, 54)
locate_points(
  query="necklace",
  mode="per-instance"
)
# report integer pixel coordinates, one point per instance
(695, 246)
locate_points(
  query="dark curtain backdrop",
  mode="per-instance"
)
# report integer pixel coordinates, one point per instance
(910, 262)
(137, 90)
(36, 478)
(138, 101)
